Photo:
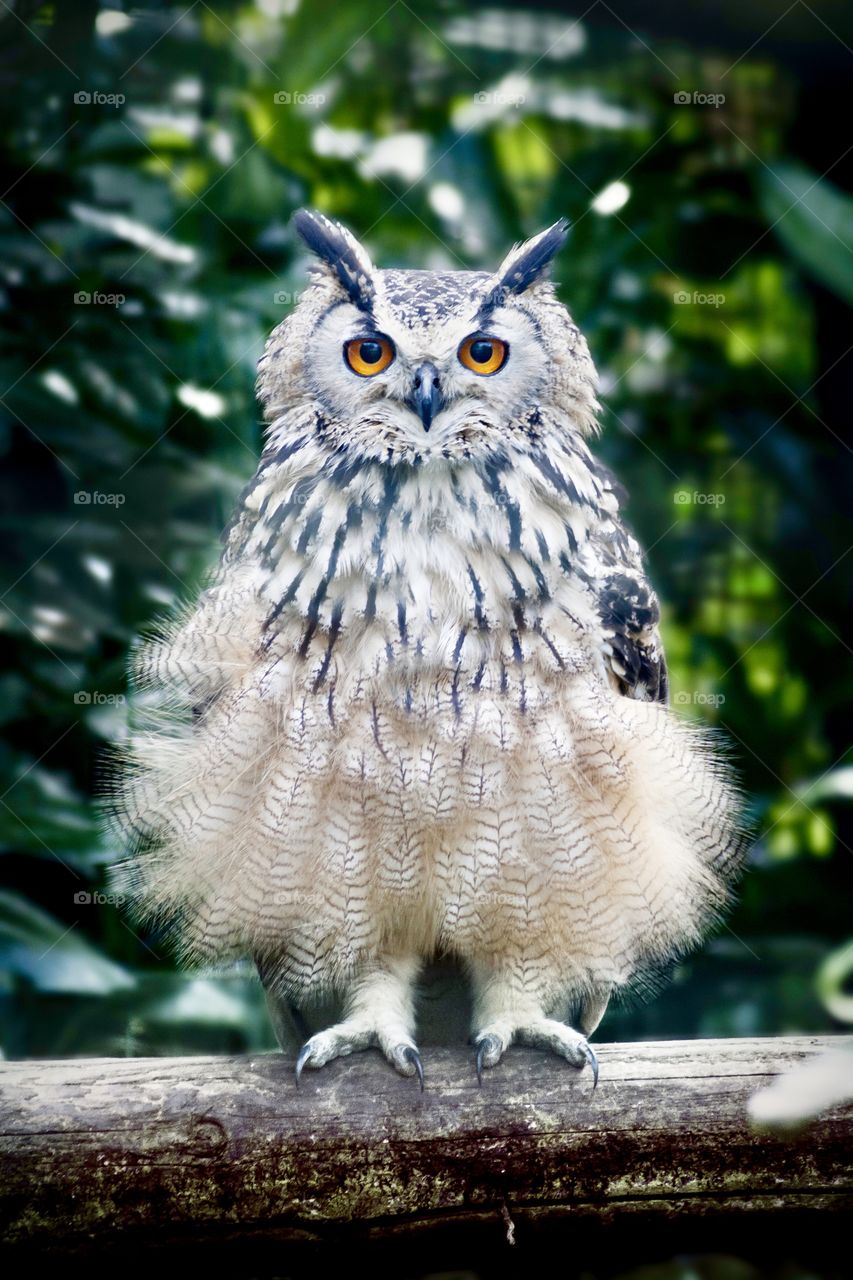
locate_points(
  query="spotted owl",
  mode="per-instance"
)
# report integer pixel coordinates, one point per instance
(420, 710)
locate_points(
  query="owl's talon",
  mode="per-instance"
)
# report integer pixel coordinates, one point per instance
(488, 1046)
(409, 1054)
(304, 1055)
(481, 1049)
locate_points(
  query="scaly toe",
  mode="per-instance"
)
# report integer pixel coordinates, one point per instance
(589, 1054)
(335, 1042)
(558, 1038)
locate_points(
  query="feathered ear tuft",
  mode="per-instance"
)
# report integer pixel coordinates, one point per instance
(523, 266)
(341, 253)
(527, 262)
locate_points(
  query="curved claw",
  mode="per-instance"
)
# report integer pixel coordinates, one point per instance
(481, 1053)
(593, 1062)
(304, 1055)
(411, 1055)
(484, 1046)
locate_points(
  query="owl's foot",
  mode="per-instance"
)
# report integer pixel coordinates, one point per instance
(539, 1033)
(379, 1014)
(354, 1035)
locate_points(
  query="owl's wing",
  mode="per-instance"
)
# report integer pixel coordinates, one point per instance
(629, 612)
(627, 604)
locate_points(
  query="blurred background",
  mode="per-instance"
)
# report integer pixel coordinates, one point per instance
(153, 155)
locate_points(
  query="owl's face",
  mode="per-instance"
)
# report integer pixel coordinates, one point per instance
(410, 366)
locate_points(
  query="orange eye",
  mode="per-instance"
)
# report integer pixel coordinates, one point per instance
(367, 356)
(482, 354)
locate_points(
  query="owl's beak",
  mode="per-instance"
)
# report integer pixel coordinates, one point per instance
(426, 399)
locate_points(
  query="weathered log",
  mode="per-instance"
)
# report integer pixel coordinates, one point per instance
(226, 1151)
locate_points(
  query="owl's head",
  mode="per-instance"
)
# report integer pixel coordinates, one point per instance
(408, 366)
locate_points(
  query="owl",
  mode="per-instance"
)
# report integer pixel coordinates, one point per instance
(420, 709)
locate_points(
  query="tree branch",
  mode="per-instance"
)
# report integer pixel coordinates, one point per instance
(229, 1150)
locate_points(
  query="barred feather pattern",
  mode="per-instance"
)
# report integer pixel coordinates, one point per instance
(420, 709)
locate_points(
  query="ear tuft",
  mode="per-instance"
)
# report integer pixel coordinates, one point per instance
(340, 252)
(527, 262)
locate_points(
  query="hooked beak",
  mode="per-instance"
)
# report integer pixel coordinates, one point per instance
(426, 399)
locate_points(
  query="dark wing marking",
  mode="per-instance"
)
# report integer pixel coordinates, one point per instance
(630, 613)
(627, 605)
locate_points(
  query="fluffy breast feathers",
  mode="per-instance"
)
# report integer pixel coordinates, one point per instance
(424, 704)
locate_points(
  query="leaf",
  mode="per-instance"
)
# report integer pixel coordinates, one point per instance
(43, 814)
(54, 956)
(835, 785)
(803, 1093)
(833, 980)
(814, 220)
(200, 1000)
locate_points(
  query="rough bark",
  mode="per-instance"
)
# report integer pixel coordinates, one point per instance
(224, 1151)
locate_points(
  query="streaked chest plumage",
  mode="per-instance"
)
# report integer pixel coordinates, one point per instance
(420, 707)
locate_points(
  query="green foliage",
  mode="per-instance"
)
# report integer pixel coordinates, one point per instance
(814, 221)
(129, 423)
(52, 957)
